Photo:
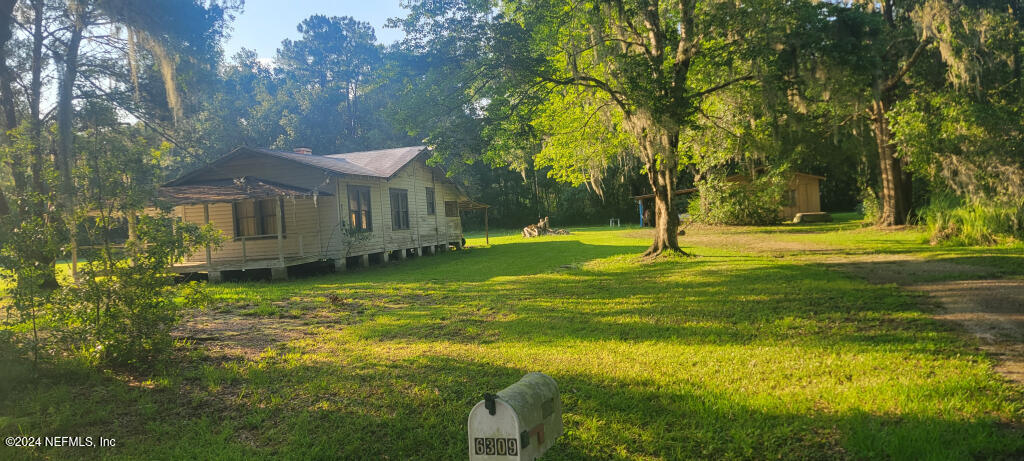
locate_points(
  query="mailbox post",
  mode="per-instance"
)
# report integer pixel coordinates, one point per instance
(520, 422)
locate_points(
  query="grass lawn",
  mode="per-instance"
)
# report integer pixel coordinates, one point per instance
(738, 353)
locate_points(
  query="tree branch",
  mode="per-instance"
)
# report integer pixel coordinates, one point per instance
(687, 47)
(591, 82)
(147, 123)
(700, 110)
(721, 86)
(895, 80)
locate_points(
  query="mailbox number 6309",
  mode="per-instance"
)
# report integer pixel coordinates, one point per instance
(495, 446)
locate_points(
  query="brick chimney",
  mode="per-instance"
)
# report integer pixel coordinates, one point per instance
(304, 150)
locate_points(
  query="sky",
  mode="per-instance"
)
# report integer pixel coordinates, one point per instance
(264, 23)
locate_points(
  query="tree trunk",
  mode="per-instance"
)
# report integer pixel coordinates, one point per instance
(658, 148)
(65, 113)
(895, 199)
(10, 116)
(7, 103)
(6, 20)
(666, 221)
(34, 99)
(64, 158)
(5, 209)
(1018, 74)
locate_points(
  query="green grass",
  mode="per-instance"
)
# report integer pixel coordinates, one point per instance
(728, 355)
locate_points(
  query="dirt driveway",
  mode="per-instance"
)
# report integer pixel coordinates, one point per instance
(991, 309)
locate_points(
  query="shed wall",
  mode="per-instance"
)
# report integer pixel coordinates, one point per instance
(808, 197)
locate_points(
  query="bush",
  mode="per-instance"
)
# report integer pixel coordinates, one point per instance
(727, 202)
(123, 310)
(957, 222)
(869, 207)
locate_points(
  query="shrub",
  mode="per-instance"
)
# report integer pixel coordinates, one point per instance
(757, 202)
(869, 207)
(123, 310)
(958, 222)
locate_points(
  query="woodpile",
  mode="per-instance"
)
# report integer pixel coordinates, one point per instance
(543, 227)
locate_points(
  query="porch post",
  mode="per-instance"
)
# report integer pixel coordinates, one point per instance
(319, 229)
(280, 236)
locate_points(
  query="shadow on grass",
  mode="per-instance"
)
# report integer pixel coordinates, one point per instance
(995, 263)
(416, 408)
(469, 265)
(702, 301)
(841, 222)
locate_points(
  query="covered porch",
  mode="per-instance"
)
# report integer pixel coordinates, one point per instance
(266, 225)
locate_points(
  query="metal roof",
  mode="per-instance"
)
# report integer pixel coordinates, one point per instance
(385, 162)
(325, 162)
(382, 163)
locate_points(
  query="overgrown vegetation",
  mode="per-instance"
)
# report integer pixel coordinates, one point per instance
(951, 221)
(125, 307)
(972, 161)
(122, 303)
(745, 201)
(869, 206)
(118, 306)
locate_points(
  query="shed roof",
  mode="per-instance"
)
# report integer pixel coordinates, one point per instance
(230, 190)
(472, 205)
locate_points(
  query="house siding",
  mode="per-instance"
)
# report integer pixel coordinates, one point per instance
(317, 229)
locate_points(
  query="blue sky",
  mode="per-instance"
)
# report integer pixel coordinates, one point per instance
(264, 23)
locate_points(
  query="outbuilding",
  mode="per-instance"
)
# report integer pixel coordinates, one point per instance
(803, 195)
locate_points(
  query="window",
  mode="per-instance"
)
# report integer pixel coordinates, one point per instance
(359, 214)
(791, 197)
(399, 209)
(258, 218)
(451, 209)
(431, 205)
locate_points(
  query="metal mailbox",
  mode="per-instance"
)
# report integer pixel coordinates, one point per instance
(519, 422)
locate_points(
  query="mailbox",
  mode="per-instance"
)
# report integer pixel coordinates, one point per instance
(519, 422)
